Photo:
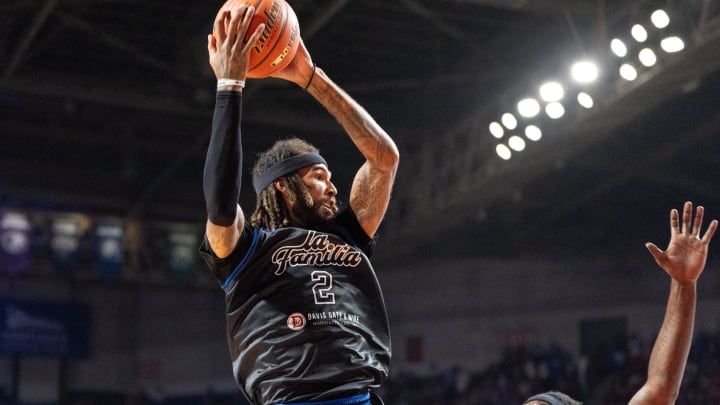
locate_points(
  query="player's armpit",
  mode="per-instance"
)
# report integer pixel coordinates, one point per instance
(223, 239)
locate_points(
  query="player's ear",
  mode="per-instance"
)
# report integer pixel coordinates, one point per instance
(281, 184)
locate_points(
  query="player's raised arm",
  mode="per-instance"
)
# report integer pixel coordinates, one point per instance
(229, 57)
(684, 261)
(371, 188)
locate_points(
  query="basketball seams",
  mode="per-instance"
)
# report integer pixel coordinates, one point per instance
(280, 34)
(274, 52)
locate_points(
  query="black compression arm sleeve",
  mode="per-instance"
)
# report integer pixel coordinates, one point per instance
(223, 163)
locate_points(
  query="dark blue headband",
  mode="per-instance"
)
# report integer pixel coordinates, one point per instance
(544, 397)
(284, 167)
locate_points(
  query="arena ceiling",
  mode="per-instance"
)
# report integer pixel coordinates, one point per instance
(105, 108)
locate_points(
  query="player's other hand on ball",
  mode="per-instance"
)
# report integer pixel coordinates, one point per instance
(300, 69)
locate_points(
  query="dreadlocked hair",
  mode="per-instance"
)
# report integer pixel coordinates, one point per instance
(270, 210)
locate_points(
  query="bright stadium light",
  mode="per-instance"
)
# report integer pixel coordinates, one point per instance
(496, 130)
(628, 72)
(585, 100)
(533, 133)
(555, 110)
(618, 47)
(639, 33)
(516, 143)
(647, 57)
(509, 121)
(551, 91)
(528, 107)
(672, 44)
(660, 19)
(584, 72)
(503, 151)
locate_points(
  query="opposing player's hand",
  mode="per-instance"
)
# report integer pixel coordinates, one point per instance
(300, 69)
(228, 51)
(684, 259)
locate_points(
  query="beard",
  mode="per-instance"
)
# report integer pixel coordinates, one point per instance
(314, 214)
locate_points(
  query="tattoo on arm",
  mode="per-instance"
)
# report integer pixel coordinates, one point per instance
(370, 193)
(370, 197)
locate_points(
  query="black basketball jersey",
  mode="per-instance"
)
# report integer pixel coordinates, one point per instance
(306, 319)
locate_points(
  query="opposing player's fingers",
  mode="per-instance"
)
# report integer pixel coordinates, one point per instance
(710, 231)
(674, 221)
(686, 216)
(656, 253)
(697, 222)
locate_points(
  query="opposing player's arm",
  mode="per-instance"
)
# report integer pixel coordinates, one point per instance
(670, 352)
(371, 188)
(684, 261)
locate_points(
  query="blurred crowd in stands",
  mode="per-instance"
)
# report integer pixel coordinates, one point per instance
(608, 377)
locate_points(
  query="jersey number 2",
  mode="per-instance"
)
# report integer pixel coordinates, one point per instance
(321, 289)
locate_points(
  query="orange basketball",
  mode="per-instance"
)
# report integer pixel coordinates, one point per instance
(279, 41)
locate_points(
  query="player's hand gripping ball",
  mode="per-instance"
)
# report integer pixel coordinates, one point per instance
(279, 40)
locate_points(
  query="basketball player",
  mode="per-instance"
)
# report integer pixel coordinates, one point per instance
(684, 261)
(306, 320)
